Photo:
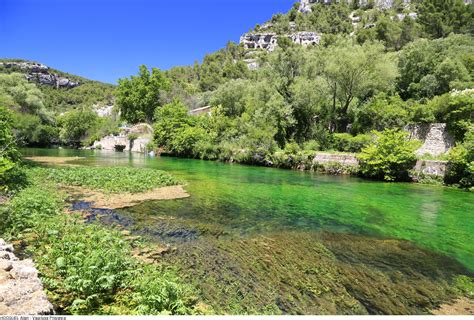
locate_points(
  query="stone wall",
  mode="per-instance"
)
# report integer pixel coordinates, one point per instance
(425, 167)
(435, 138)
(21, 291)
(431, 167)
(343, 159)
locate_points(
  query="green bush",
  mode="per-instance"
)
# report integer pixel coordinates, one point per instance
(460, 169)
(345, 142)
(389, 157)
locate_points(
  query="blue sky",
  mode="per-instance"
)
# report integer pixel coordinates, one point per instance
(108, 39)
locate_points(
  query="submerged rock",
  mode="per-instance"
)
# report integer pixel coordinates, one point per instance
(21, 291)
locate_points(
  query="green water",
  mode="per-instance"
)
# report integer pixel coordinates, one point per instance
(254, 200)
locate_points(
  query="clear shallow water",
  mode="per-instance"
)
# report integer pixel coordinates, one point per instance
(248, 200)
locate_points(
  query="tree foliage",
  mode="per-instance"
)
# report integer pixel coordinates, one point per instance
(138, 97)
(429, 68)
(439, 18)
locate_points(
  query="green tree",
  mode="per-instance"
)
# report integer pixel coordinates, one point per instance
(11, 176)
(16, 91)
(381, 112)
(232, 97)
(456, 109)
(139, 96)
(353, 72)
(75, 125)
(170, 120)
(441, 17)
(433, 67)
(389, 157)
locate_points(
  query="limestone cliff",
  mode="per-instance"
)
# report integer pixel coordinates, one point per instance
(305, 5)
(269, 41)
(40, 73)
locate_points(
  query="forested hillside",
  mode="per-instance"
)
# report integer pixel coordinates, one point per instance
(373, 69)
(52, 107)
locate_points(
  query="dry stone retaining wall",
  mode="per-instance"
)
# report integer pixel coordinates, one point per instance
(427, 167)
(21, 291)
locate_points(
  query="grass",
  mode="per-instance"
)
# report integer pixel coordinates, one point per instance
(108, 180)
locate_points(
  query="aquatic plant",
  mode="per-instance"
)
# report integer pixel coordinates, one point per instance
(110, 180)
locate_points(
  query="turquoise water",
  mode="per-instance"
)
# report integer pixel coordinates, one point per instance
(247, 200)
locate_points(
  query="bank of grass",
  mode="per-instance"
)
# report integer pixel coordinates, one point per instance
(108, 180)
(87, 268)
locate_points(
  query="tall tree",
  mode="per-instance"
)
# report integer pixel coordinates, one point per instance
(139, 96)
(353, 72)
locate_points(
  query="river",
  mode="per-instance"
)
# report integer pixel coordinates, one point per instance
(243, 202)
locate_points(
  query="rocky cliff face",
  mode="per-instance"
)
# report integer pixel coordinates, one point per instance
(305, 5)
(269, 41)
(40, 73)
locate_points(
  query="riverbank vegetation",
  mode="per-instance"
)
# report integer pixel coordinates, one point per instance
(85, 268)
(373, 70)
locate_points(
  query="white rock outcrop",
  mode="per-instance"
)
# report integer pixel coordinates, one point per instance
(40, 73)
(305, 5)
(143, 135)
(269, 41)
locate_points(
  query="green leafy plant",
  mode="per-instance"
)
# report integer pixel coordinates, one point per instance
(29, 207)
(389, 157)
(111, 180)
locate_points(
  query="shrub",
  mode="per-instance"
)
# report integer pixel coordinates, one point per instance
(461, 163)
(389, 157)
(345, 142)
